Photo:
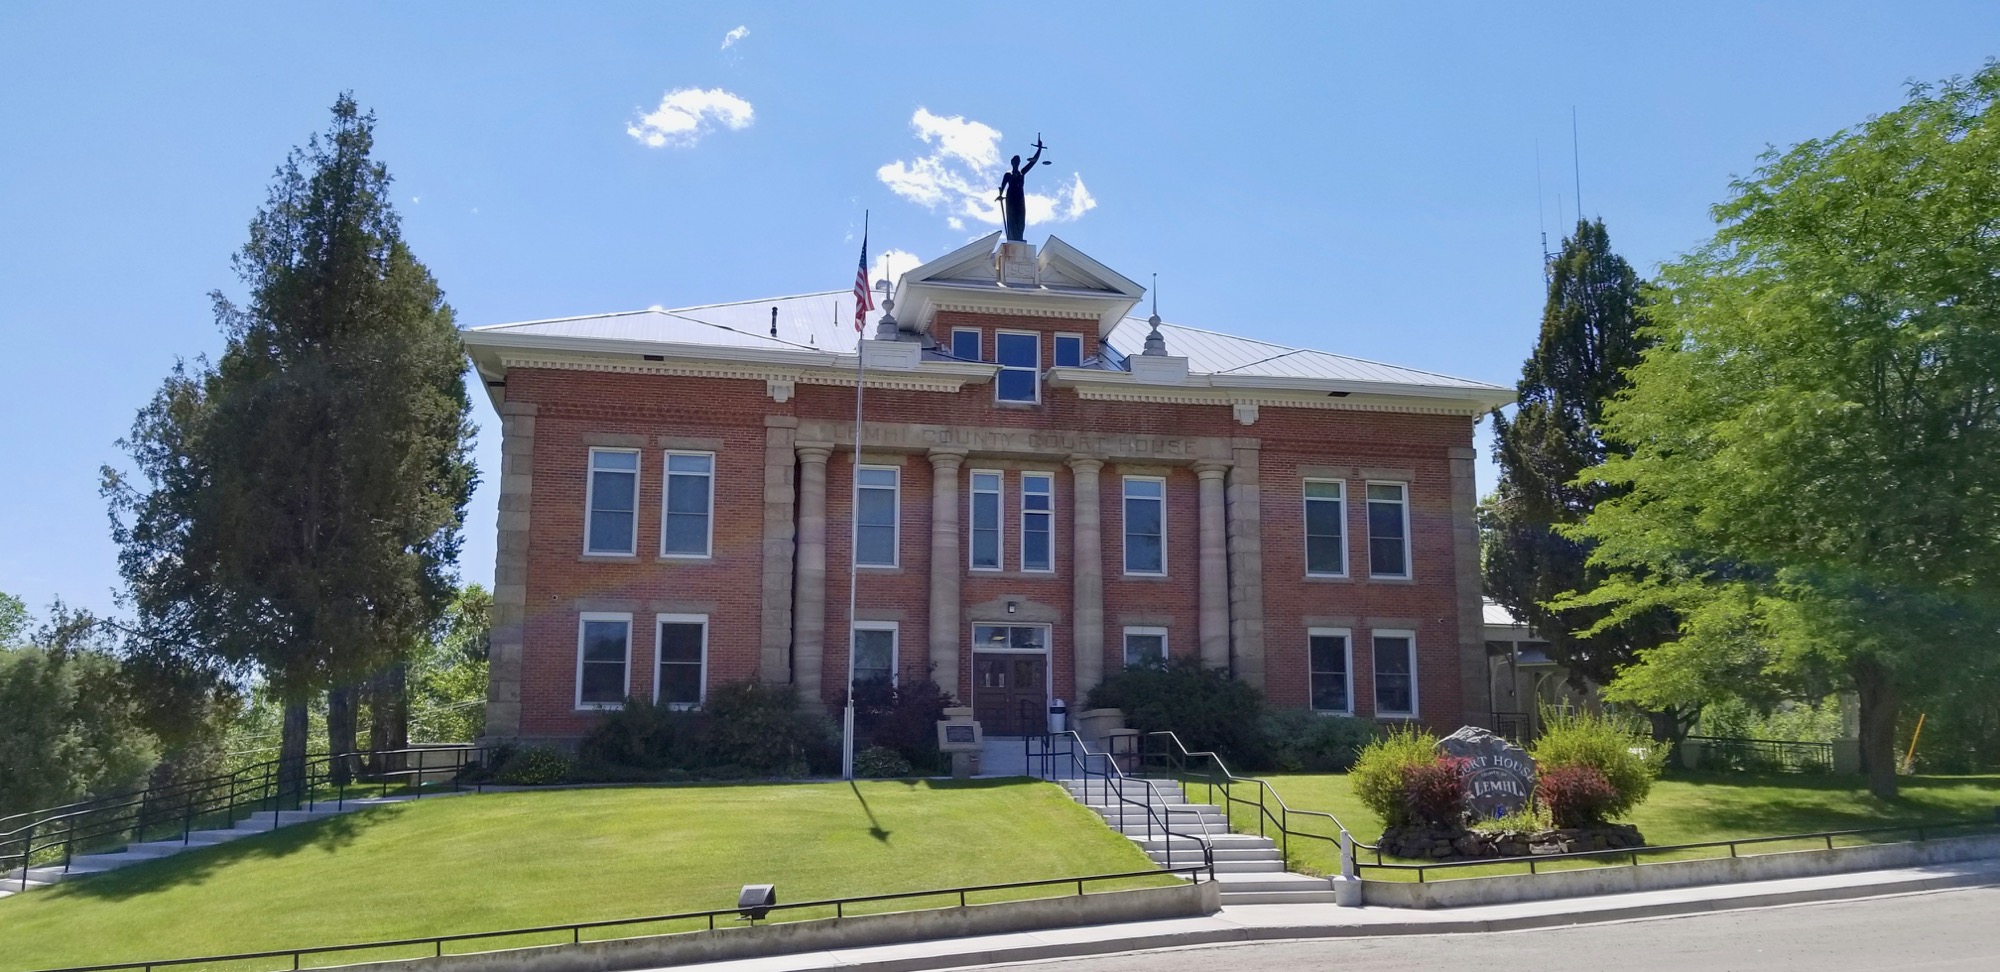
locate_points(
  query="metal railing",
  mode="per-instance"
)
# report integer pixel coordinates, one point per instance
(1764, 755)
(1631, 855)
(1163, 752)
(1052, 756)
(54, 837)
(575, 930)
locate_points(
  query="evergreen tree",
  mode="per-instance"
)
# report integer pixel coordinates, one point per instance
(1590, 335)
(306, 492)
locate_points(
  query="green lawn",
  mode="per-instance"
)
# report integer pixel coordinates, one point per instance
(1686, 809)
(497, 861)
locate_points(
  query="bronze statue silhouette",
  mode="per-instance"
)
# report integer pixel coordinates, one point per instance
(1014, 194)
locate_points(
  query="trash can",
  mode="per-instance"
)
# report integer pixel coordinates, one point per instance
(1058, 717)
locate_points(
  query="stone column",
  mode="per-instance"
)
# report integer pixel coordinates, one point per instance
(1087, 563)
(1246, 564)
(510, 571)
(947, 570)
(809, 595)
(1476, 689)
(780, 533)
(1214, 599)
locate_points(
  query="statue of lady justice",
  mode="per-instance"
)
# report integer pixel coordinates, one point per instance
(1014, 194)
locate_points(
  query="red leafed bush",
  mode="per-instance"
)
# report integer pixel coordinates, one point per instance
(1576, 796)
(1435, 792)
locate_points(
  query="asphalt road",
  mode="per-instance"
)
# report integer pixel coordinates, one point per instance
(1946, 930)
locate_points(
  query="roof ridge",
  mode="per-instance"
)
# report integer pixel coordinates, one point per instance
(724, 327)
(1203, 330)
(758, 300)
(1293, 350)
(571, 317)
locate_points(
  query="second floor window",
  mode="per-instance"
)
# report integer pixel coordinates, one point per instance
(1038, 521)
(1020, 357)
(690, 496)
(1069, 351)
(611, 521)
(1145, 525)
(986, 521)
(1388, 530)
(1326, 547)
(875, 516)
(965, 343)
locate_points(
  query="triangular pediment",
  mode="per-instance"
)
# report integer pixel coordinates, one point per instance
(1057, 279)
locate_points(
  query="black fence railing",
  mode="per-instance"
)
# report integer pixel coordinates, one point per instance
(1064, 756)
(1735, 754)
(1164, 755)
(1515, 727)
(37, 843)
(294, 958)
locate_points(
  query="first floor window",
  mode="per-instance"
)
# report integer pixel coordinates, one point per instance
(1145, 647)
(1020, 357)
(1388, 530)
(1145, 525)
(874, 651)
(986, 520)
(1395, 673)
(690, 496)
(1326, 548)
(611, 503)
(1327, 653)
(875, 516)
(683, 659)
(1038, 521)
(603, 649)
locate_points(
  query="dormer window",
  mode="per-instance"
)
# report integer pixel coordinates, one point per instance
(1020, 357)
(1069, 351)
(965, 343)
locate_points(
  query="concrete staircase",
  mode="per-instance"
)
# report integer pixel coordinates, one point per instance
(257, 823)
(1250, 869)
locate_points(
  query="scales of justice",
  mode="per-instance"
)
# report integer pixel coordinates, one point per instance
(1015, 262)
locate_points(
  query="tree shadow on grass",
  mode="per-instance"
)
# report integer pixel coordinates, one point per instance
(197, 864)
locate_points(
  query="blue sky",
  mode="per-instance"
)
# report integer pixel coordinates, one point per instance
(1357, 179)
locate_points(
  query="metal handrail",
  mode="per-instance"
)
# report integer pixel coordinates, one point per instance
(576, 928)
(1080, 756)
(1178, 758)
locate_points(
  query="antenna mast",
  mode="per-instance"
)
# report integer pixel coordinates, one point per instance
(1541, 218)
(1576, 163)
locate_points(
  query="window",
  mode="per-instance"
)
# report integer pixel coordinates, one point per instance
(603, 649)
(985, 547)
(1388, 530)
(1038, 521)
(1069, 351)
(1326, 547)
(1020, 357)
(965, 343)
(874, 651)
(1020, 637)
(1395, 673)
(1328, 660)
(688, 521)
(875, 516)
(1145, 647)
(683, 676)
(611, 503)
(1145, 525)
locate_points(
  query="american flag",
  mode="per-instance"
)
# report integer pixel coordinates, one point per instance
(864, 298)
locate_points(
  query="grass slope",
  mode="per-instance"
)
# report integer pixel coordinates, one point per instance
(482, 863)
(1689, 808)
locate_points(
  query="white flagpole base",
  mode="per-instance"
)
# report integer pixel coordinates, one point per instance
(847, 742)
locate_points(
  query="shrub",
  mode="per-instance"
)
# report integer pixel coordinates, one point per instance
(761, 729)
(881, 762)
(1434, 792)
(1621, 750)
(645, 737)
(743, 730)
(1383, 767)
(1575, 796)
(533, 766)
(902, 716)
(1303, 741)
(1206, 708)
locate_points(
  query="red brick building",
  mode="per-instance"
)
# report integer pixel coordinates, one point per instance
(1049, 489)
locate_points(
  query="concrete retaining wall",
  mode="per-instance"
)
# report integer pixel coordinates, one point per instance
(1463, 892)
(860, 931)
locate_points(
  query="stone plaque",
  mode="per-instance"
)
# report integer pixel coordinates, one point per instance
(958, 734)
(1501, 776)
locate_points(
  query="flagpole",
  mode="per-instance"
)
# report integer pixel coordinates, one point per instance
(854, 519)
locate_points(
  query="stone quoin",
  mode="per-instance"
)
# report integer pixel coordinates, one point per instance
(1045, 497)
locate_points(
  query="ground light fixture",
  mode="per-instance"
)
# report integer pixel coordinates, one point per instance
(755, 901)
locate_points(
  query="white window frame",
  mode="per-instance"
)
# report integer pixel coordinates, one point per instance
(590, 499)
(978, 338)
(999, 494)
(583, 623)
(895, 647)
(1305, 525)
(1410, 639)
(895, 521)
(1048, 640)
(1346, 635)
(1034, 372)
(1144, 631)
(667, 475)
(1050, 479)
(1055, 350)
(662, 620)
(1409, 559)
(1125, 525)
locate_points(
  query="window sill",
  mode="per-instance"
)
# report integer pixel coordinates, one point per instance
(600, 707)
(879, 568)
(607, 558)
(1012, 574)
(1395, 716)
(1372, 579)
(1328, 579)
(682, 556)
(1343, 713)
(1143, 577)
(1004, 403)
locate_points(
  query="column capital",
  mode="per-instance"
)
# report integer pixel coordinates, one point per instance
(814, 451)
(942, 458)
(1085, 463)
(1210, 469)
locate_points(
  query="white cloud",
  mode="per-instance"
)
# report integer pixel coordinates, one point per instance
(686, 115)
(960, 177)
(890, 265)
(729, 40)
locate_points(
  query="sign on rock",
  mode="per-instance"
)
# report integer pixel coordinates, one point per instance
(1499, 776)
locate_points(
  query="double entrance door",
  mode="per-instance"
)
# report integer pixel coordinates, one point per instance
(1010, 687)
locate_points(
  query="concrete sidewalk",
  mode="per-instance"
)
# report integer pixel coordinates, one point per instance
(1254, 923)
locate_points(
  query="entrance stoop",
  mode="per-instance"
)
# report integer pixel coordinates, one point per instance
(1250, 869)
